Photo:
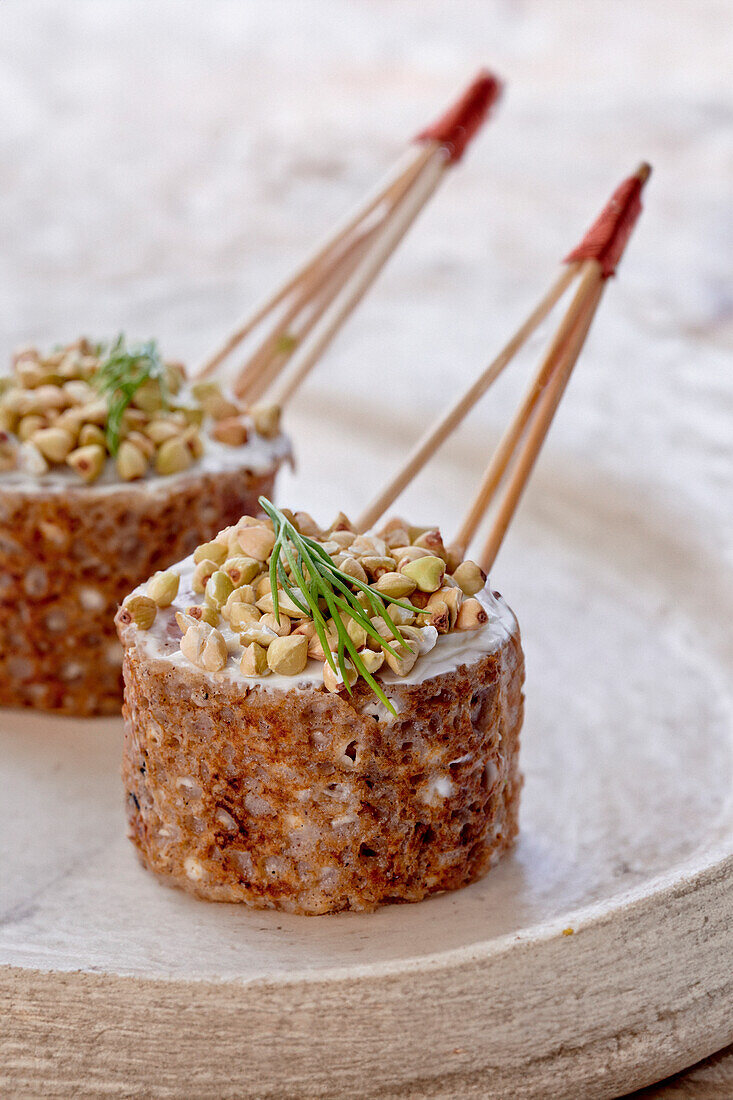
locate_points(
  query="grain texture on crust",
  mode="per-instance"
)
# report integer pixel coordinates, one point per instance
(67, 559)
(314, 803)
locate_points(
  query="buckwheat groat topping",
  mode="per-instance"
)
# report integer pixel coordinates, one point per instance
(117, 413)
(265, 600)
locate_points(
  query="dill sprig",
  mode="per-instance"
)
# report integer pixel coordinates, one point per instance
(286, 343)
(318, 579)
(121, 373)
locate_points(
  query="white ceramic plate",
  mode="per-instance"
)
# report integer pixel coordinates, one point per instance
(626, 838)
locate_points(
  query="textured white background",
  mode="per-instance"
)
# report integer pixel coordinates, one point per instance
(164, 163)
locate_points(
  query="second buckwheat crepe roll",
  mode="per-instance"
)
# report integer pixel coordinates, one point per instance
(90, 506)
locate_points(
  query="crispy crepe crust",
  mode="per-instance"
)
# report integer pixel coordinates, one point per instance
(313, 802)
(67, 559)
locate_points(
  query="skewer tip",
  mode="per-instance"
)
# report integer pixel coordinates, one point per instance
(607, 238)
(456, 128)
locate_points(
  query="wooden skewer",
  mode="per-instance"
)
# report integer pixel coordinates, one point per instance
(594, 260)
(599, 252)
(450, 135)
(436, 436)
(388, 237)
(312, 299)
(394, 185)
(590, 278)
(537, 432)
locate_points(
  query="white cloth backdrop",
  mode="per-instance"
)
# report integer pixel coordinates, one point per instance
(162, 163)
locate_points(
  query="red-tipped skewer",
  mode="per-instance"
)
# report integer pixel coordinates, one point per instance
(308, 309)
(599, 254)
(593, 261)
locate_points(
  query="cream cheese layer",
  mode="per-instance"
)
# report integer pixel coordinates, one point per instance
(451, 651)
(257, 455)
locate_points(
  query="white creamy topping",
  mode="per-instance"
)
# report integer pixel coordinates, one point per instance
(258, 454)
(463, 647)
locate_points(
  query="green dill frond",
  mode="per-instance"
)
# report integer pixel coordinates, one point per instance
(287, 342)
(315, 580)
(122, 371)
